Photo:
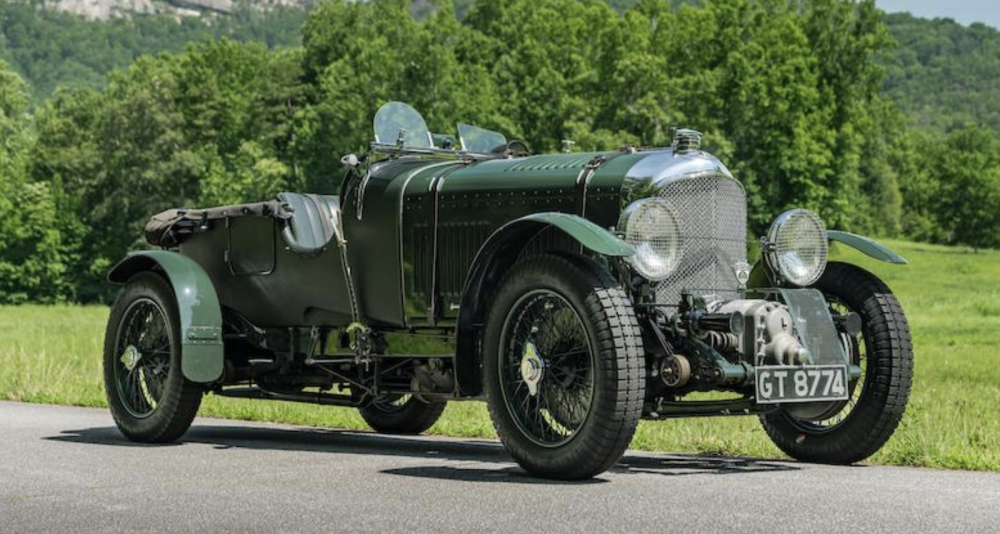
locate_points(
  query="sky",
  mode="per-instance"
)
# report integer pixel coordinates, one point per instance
(964, 11)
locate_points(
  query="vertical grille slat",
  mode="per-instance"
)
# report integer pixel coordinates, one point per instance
(711, 211)
(459, 242)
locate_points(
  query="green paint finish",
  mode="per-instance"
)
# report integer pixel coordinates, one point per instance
(546, 162)
(550, 172)
(202, 353)
(867, 246)
(610, 175)
(378, 240)
(203, 363)
(604, 189)
(585, 232)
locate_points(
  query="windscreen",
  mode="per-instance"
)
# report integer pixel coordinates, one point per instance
(397, 123)
(479, 140)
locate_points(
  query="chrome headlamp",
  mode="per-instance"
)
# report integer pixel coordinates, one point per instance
(798, 247)
(651, 227)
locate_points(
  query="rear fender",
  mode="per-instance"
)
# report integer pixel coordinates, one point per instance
(493, 260)
(202, 354)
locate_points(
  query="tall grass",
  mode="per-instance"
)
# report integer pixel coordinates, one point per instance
(951, 297)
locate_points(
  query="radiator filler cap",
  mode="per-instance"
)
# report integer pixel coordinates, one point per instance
(686, 140)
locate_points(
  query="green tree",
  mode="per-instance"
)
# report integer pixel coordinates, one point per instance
(217, 124)
(542, 56)
(944, 75)
(359, 56)
(32, 262)
(967, 169)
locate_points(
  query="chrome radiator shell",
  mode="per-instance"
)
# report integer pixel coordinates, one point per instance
(710, 207)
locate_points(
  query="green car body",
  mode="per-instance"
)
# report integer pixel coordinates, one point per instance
(406, 263)
(472, 207)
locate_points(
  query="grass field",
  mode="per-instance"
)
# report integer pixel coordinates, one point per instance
(951, 297)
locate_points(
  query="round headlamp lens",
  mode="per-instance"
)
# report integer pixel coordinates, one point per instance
(652, 229)
(800, 246)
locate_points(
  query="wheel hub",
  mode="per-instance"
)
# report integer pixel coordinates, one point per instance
(130, 358)
(532, 368)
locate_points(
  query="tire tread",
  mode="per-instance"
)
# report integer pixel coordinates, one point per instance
(880, 409)
(620, 364)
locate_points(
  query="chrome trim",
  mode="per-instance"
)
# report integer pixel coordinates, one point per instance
(711, 225)
(436, 184)
(393, 150)
(360, 202)
(624, 222)
(769, 250)
(352, 293)
(337, 218)
(658, 169)
(686, 140)
(583, 180)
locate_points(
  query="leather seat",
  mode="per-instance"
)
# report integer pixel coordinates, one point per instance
(314, 222)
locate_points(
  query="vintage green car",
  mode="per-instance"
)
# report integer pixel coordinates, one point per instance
(576, 293)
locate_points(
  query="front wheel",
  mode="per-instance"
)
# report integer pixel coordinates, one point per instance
(563, 367)
(853, 430)
(149, 397)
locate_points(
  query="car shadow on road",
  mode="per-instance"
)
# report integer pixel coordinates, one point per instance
(306, 440)
(462, 459)
(631, 464)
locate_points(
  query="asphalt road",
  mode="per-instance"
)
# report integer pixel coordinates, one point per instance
(68, 470)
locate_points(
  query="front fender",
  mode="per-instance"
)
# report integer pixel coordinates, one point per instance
(866, 246)
(494, 258)
(760, 275)
(202, 354)
(586, 233)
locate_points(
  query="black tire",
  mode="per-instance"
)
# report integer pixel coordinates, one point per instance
(859, 428)
(614, 392)
(166, 404)
(402, 415)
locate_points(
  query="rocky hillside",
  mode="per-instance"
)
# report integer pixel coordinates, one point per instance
(106, 9)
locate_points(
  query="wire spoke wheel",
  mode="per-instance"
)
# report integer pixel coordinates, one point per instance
(562, 366)
(142, 364)
(546, 368)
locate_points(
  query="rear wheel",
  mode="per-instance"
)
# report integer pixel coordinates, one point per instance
(853, 430)
(149, 398)
(563, 367)
(401, 414)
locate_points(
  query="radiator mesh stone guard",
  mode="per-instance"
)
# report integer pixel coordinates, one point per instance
(711, 212)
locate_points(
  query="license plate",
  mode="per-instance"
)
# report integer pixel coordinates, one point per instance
(780, 383)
